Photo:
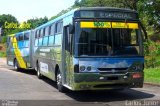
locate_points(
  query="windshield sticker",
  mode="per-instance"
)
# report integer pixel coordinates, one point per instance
(108, 25)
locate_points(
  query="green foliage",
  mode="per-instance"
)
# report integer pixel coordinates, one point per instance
(15, 26)
(152, 54)
(62, 12)
(148, 9)
(2, 54)
(6, 18)
(37, 22)
(149, 13)
(4, 39)
(151, 75)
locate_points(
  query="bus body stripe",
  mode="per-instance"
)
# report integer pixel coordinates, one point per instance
(18, 54)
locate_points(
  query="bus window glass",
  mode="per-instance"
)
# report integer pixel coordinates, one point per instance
(58, 28)
(40, 42)
(41, 33)
(26, 36)
(51, 40)
(49, 30)
(26, 43)
(17, 37)
(52, 29)
(46, 31)
(20, 37)
(58, 39)
(38, 33)
(45, 41)
(36, 42)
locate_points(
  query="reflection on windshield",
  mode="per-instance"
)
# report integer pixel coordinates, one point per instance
(107, 42)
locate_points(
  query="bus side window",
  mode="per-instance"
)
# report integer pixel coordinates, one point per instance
(58, 31)
(17, 38)
(21, 37)
(36, 38)
(67, 39)
(58, 39)
(49, 30)
(41, 32)
(45, 41)
(44, 31)
(26, 36)
(45, 37)
(52, 29)
(36, 34)
(51, 39)
(40, 41)
(26, 40)
(58, 28)
(21, 42)
(8, 41)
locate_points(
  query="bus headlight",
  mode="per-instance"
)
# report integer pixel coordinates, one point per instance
(89, 68)
(134, 68)
(137, 67)
(82, 68)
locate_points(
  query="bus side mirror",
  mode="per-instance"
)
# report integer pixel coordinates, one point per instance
(71, 29)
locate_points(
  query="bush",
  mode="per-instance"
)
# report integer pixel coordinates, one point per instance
(4, 39)
(152, 54)
(2, 54)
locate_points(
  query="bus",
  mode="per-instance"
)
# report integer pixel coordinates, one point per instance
(92, 48)
(19, 50)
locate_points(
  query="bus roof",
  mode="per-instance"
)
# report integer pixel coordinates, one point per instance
(113, 9)
(107, 9)
(19, 33)
(58, 18)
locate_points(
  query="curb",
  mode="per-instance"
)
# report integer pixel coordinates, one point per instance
(152, 84)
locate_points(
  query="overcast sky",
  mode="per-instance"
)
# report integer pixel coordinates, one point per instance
(27, 9)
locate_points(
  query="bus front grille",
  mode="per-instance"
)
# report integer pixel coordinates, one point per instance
(113, 70)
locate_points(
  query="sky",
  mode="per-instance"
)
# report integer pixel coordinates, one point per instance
(28, 9)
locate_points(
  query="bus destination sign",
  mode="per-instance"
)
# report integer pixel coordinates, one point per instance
(117, 15)
(108, 14)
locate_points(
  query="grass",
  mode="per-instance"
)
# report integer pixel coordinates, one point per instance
(152, 75)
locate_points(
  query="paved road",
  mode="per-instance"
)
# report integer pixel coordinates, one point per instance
(25, 85)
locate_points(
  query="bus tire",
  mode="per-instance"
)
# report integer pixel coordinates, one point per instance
(16, 66)
(60, 87)
(39, 75)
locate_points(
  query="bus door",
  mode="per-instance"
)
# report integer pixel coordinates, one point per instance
(66, 56)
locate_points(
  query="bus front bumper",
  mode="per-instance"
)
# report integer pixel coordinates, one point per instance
(96, 81)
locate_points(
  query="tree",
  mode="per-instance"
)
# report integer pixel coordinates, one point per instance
(7, 19)
(152, 11)
(37, 22)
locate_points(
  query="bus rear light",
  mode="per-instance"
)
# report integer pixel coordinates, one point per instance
(136, 75)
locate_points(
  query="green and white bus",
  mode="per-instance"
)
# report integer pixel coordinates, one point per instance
(20, 50)
(90, 49)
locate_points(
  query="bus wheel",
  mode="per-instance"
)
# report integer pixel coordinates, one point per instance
(16, 66)
(60, 87)
(38, 72)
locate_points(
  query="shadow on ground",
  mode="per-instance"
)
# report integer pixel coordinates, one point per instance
(99, 96)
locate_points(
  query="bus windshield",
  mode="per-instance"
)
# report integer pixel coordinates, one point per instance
(107, 41)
